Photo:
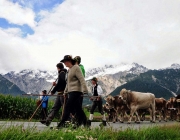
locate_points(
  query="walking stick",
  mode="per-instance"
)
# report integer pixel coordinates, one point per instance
(40, 104)
(39, 95)
(63, 107)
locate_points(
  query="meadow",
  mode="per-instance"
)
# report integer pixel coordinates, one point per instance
(155, 133)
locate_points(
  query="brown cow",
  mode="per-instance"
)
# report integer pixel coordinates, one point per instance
(161, 108)
(177, 105)
(174, 108)
(110, 112)
(119, 106)
(171, 108)
(138, 100)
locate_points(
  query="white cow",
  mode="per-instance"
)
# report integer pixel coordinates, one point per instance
(138, 100)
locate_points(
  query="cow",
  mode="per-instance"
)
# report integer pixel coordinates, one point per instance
(177, 104)
(171, 108)
(110, 112)
(119, 106)
(161, 108)
(138, 100)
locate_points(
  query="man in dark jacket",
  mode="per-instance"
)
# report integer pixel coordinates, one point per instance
(59, 88)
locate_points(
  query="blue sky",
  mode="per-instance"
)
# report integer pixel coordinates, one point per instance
(24, 28)
(36, 6)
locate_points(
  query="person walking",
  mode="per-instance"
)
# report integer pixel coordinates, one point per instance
(97, 93)
(78, 62)
(59, 88)
(74, 88)
(44, 105)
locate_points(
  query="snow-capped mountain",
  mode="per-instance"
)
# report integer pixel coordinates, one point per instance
(110, 77)
(33, 81)
(7, 87)
(113, 69)
(174, 66)
(37, 74)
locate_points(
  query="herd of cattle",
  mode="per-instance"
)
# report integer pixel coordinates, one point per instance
(130, 102)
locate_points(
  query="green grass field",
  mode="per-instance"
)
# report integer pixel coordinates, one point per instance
(155, 133)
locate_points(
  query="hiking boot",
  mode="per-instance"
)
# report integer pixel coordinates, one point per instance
(88, 124)
(47, 123)
(60, 125)
(104, 123)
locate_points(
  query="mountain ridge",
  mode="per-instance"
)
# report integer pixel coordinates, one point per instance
(7, 87)
(109, 76)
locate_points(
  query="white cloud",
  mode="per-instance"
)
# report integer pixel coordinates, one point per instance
(106, 32)
(15, 32)
(17, 14)
(14, 53)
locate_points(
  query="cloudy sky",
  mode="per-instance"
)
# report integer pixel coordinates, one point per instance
(36, 34)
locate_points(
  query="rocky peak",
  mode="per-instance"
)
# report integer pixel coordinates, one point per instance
(175, 66)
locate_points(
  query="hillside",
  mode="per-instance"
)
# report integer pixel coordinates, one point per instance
(7, 87)
(163, 83)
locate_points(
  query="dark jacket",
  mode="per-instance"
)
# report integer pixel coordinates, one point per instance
(61, 84)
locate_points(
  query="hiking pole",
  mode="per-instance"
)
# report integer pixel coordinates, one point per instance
(39, 95)
(63, 107)
(40, 103)
(56, 95)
